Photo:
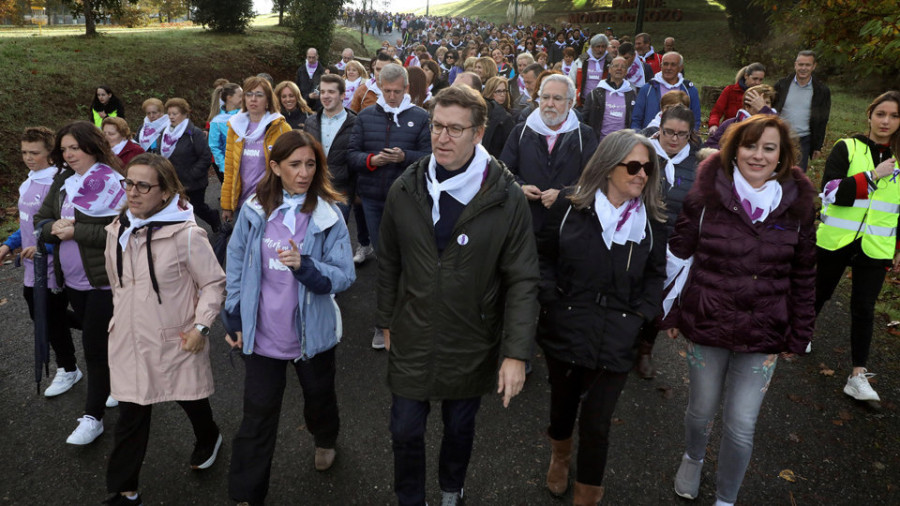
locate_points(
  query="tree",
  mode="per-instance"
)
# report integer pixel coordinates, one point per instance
(281, 6)
(93, 9)
(9, 9)
(228, 16)
(748, 21)
(313, 24)
(167, 9)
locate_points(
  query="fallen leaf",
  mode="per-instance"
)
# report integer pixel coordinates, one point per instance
(845, 415)
(682, 354)
(3, 301)
(788, 475)
(827, 372)
(617, 421)
(794, 437)
(878, 465)
(667, 392)
(839, 423)
(796, 398)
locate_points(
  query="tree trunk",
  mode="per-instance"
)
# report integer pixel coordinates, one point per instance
(90, 28)
(281, 12)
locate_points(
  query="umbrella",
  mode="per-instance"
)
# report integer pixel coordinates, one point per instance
(41, 296)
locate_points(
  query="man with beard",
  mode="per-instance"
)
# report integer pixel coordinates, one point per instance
(550, 148)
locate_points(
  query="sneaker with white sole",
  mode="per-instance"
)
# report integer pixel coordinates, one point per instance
(363, 253)
(859, 388)
(63, 381)
(452, 498)
(111, 403)
(204, 455)
(89, 428)
(378, 339)
(687, 479)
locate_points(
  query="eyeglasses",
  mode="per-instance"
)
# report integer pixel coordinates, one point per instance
(499, 91)
(668, 132)
(257, 94)
(634, 166)
(454, 131)
(141, 186)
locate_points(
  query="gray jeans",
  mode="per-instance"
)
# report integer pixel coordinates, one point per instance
(740, 381)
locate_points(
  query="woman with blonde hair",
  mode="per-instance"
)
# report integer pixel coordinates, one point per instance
(500, 121)
(294, 109)
(485, 67)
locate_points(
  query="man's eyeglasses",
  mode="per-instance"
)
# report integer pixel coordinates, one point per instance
(141, 186)
(452, 130)
(634, 166)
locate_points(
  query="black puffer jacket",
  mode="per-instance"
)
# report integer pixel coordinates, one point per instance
(338, 154)
(191, 157)
(675, 194)
(594, 300)
(500, 124)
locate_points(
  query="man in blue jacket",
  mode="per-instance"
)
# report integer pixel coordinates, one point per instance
(668, 79)
(387, 138)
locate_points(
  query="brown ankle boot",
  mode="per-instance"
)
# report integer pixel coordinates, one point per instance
(644, 365)
(558, 474)
(587, 495)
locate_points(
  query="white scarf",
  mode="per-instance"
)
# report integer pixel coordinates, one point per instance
(150, 131)
(414, 62)
(673, 161)
(622, 224)
(119, 147)
(535, 123)
(741, 115)
(404, 105)
(172, 213)
(428, 95)
(290, 204)
(96, 193)
(655, 121)
(677, 271)
(372, 85)
(240, 121)
(43, 176)
(757, 202)
(566, 69)
(650, 53)
(658, 78)
(463, 187)
(341, 65)
(623, 89)
(635, 74)
(310, 71)
(170, 137)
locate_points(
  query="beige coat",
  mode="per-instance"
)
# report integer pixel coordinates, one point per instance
(146, 362)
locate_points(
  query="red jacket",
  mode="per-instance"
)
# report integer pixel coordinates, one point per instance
(655, 62)
(131, 150)
(728, 104)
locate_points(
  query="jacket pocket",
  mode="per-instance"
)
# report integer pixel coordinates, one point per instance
(172, 334)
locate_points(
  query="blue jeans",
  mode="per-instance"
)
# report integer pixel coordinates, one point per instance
(408, 420)
(744, 378)
(373, 209)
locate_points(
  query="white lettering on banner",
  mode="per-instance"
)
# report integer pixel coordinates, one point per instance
(276, 265)
(252, 152)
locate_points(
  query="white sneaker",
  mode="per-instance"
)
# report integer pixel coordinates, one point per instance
(809, 347)
(858, 387)
(363, 253)
(89, 428)
(111, 403)
(62, 382)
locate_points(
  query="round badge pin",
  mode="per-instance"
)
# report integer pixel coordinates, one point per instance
(410, 124)
(462, 239)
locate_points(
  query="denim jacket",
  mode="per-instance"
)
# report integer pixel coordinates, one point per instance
(326, 269)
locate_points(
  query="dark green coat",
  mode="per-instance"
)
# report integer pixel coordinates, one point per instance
(454, 316)
(90, 233)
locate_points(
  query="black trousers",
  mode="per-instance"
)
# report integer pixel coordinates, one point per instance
(868, 278)
(133, 432)
(254, 444)
(93, 309)
(597, 391)
(201, 209)
(59, 320)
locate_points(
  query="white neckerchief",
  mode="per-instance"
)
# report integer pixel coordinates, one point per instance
(240, 121)
(428, 95)
(96, 193)
(522, 88)
(290, 204)
(622, 224)
(43, 176)
(170, 137)
(673, 161)
(635, 74)
(677, 270)
(655, 121)
(623, 89)
(414, 62)
(119, 147)
(567, 68)
(598, 60)
(535, 123)
(404, 105)
(310, 71)
(561, 45)
(150, 131)
(757, 202)
(341, 65)
(658, 78)
(650, 53)
(463, 187)
(172, 213)
(372, 85)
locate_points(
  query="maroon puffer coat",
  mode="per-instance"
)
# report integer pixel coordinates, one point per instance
(752, 286)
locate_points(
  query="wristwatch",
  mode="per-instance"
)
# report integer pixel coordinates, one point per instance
(203, 329)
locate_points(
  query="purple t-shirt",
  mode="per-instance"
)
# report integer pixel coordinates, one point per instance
(276, 333)
(70, 257)
(614, 115)
(29, 205)
(594, 76)
(253, 165)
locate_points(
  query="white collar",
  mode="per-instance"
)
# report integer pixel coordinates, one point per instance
(241, 121)
(291, 205)
(396, 111)
(119, 147)
(535, 123)
(43, 176)
(462, 187)
(622, 90)
(659, 78)
(170, 137)
(172, 213)
(372, 85)
(673, 161)
(622, 224)
(757, 202)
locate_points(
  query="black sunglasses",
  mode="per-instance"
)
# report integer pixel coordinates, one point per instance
(634, 166)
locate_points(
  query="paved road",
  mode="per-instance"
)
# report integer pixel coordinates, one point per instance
(843, 452)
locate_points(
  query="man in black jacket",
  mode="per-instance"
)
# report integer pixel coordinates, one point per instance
(308, 76)
(805, 103)
(608, 107)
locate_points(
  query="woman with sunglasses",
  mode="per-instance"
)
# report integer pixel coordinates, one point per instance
(744, 253)
(603, 262)
(167, 290)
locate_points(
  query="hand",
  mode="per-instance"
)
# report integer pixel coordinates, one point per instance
(387, 339)
(290, 257)
(548, 197)
(4, 252)
(815, 154)
(235, 343)
(755, 101)
(378, 160)
(885, 168)
(673, 333)
(28, 253)
(63, 229)
(192, 341)
(227, 215)
(532, 192)
(712, 129)
(510, 379)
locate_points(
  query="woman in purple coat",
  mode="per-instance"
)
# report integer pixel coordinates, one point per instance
(746, 237)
